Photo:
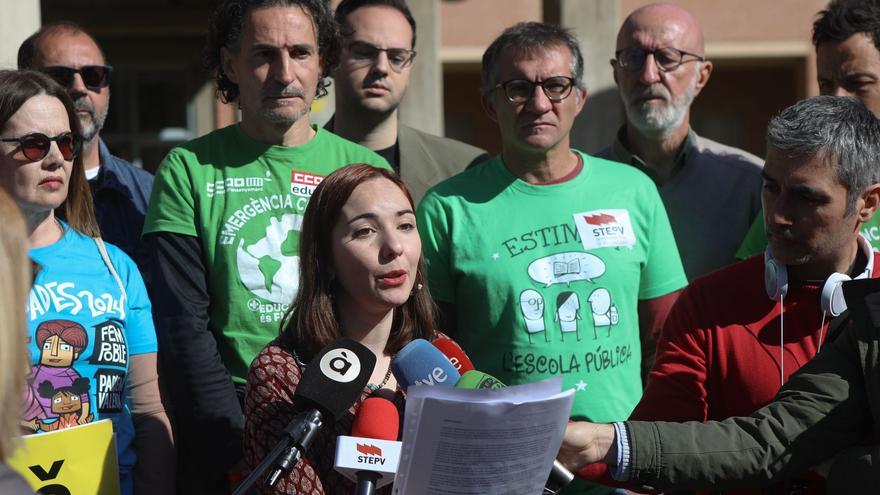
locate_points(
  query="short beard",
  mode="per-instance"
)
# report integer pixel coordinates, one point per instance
(275, 117)
(656, 120)
(91, 127)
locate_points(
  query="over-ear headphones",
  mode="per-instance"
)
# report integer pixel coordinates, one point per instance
(831, 300)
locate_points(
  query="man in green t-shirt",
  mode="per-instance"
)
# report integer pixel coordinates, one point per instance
(225, 216)
(546, 261)
(847, 39)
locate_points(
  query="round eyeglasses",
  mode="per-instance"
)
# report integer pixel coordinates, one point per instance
(35, 146)
(556, 88)
(668, 59)
(364, 53)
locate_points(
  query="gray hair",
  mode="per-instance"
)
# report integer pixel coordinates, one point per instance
(840, 130)
(528, 38)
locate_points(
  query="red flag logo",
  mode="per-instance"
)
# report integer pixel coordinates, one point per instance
(369, 449)
(602, 219)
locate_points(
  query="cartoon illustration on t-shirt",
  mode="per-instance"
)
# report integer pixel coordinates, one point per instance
(567, 307)
(604, 311)
(531, 304)
(61, 342)
(66, 404)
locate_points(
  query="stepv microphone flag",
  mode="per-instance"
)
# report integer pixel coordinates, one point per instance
(455, 354)
(330, 384)
(560, 477)
(371, 455)
(420, 363)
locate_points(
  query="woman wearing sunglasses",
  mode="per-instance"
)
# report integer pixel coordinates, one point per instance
(88, 309)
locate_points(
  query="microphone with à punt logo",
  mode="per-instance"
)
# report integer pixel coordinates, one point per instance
(371, 455)
(454, 353)
(420, 363)
(560, 477)
(330, 384)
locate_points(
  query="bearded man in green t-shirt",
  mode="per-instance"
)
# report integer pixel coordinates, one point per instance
(225, 216)
(546, 261)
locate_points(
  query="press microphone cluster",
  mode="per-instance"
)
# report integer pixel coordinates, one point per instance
(330, 384)
(420, 363)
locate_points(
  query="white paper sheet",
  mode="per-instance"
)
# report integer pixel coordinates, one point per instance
(488, 441)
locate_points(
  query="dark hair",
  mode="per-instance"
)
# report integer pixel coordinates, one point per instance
(27, 52)
(78, 387)
(346, 7)
(840, 130)
(527, 38)
(69, 331)
(227, 24)
(311, 322)
(844, 18)
(17, 87)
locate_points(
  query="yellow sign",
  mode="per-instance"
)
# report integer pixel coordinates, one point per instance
(73, 461)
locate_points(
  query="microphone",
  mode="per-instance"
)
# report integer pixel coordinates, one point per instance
(329, 385)
(560, 477)
(420, 363)
(371, 455)
(455, 354)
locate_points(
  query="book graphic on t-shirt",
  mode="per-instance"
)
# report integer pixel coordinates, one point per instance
(567, 313)
(565, 268)
(604, 310)
(531, 303)
(61, 342)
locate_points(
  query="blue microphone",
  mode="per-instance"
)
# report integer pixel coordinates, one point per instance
(420, 363)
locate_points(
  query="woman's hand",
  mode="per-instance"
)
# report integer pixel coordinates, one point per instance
(585, 443)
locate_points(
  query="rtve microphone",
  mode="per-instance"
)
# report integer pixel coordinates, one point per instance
(371, 455)
(330, 384)
(560, 477)
(455, 354)
(420, 363)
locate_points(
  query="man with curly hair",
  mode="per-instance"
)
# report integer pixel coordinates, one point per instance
(225, 215)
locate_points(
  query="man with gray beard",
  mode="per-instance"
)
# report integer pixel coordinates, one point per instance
(711, 192)
(69, 55)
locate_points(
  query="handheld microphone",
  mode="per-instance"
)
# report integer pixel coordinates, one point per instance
(455, 354)
(420, 363)
(560, 477)
(371, 455)
(329, 385)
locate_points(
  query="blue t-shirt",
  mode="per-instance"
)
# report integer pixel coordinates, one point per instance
(82, 334)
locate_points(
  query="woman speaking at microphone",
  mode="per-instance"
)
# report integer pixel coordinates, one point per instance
(361, 277)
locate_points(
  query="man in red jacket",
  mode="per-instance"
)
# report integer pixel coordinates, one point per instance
(735, 336)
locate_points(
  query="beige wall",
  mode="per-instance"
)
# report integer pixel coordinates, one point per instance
(19, 19)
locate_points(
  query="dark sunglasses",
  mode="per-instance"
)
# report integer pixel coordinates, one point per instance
(94, 77)
(35, 146)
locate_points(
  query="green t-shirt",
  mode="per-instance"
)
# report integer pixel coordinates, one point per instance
(756, 239)
(244, 200)
(546, 279)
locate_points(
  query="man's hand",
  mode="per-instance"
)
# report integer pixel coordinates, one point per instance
(585, 443)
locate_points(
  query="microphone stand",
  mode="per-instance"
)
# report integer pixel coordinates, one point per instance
(298, 435)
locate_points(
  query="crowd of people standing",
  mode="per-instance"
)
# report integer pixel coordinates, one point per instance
(214, 283)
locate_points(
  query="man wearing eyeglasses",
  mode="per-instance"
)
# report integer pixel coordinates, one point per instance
(546, 261)
(711, 192)
(375, 64)
(121, 191)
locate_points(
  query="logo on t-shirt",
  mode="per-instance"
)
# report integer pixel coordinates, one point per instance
(304, 184)
(605, 228)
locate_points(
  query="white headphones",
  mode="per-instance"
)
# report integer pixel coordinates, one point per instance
(832, 300)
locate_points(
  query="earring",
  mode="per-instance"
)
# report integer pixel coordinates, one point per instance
(416, 289)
